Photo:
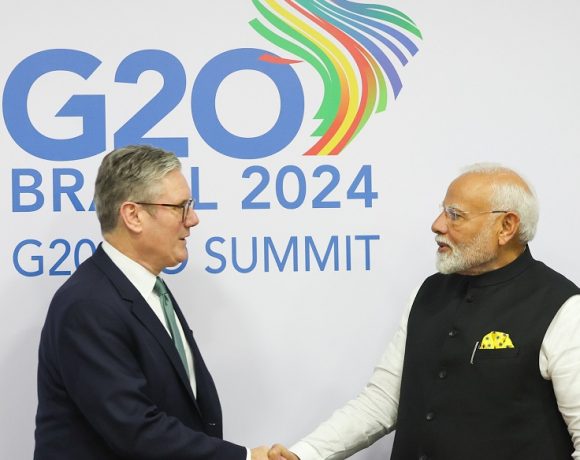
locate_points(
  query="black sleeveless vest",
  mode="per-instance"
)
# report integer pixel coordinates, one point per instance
(459, 402)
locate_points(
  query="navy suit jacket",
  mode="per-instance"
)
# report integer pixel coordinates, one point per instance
(110, 381)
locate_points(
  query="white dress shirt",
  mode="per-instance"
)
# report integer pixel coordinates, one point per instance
(373, 413)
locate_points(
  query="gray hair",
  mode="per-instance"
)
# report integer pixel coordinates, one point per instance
(512, 197)
(131, 173)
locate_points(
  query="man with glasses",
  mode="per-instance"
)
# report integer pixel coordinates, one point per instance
(486, 361)
(120, 375)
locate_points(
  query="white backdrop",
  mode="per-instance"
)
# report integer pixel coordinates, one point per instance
(492, 81)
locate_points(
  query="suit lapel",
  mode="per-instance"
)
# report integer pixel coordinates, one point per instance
(143, 312)
(207, 396)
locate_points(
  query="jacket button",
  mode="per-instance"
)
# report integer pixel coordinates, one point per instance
(430, 416)
(453, 333)
(442, 374)
(423, 457)
(469, 298)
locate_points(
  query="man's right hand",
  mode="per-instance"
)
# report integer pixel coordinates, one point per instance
(279, 452)
(259, 453)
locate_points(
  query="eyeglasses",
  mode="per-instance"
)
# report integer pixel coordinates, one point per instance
(185, 207)
(456, 215)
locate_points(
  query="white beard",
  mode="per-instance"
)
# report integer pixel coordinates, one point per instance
(465, 256)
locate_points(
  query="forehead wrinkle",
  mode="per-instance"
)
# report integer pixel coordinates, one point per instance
(175, 188)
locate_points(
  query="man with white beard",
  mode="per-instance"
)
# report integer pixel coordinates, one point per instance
(486, 361)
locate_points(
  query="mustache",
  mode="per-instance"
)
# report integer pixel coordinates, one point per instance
(441, 239)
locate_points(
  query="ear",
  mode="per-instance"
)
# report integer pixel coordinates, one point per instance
(510, 225)
(129, 213)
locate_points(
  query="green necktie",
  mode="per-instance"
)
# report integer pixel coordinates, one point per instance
(161, 290)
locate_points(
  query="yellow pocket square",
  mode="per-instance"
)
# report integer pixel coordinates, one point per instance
(495, 340)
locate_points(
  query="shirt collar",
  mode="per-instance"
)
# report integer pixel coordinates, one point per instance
(138, 275)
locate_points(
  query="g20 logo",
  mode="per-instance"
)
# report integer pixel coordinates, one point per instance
(91, 108)
(354, 48)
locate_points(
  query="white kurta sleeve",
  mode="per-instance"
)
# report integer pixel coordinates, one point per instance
(368, 417)
(560, 362)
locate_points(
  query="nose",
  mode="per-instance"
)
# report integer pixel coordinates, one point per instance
(439, 226)
(192, 219)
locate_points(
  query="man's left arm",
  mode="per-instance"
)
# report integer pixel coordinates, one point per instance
(560, 363)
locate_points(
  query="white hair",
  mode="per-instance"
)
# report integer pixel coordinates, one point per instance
(512, 197)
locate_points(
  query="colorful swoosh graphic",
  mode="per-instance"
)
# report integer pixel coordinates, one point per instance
(352, 46)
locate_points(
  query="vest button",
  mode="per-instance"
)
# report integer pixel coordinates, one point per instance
(442, 374)
(430, 416)
(469, 298)
(453, 332)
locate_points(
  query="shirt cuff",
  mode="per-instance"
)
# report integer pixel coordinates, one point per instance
(305, 451)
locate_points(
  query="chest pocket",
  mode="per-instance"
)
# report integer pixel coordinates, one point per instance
(482, 354)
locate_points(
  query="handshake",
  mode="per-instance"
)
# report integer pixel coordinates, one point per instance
(276, 452)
